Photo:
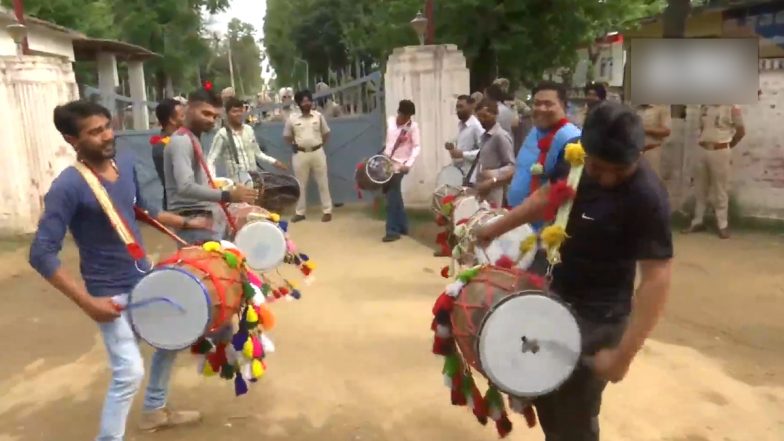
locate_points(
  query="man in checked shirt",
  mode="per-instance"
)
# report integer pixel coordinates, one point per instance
(235, 144)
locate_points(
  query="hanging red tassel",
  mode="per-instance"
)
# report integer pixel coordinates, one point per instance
(480, 406)
(530, 416)
(503, 425)
(441, 220)
(442, 237)
(535, 280)
(505, 262)
(155, 139)
(458, 397)
(218, 358)
(559, 193)
(443, 303)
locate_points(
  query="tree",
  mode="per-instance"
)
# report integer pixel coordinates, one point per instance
(245, 55)
(172, 28)
(517, 39)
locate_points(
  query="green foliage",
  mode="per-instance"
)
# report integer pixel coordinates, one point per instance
(245, 54)
(517, 39)
(173, 28)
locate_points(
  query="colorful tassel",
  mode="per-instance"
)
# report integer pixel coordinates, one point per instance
(266, 318)
(296, 294)
(559, 193)
(240, 387)
(258, 350)
(231, 259)
(227, 371)
(247, 348)
(445, 272)
(257, 369)
(283, 225)
(208, 371)
(239, 339)
(211, 246)
(251, 316)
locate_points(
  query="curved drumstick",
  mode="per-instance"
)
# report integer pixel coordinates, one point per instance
(151, 300)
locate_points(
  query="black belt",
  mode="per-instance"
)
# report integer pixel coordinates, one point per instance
(194, 213)
(304, 150)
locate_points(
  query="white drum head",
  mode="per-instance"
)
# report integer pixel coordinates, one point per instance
(464, 208)
(262, 243)
(379, 169)
(450, 175)
(176, 322)
(508, 245)
(547, 360)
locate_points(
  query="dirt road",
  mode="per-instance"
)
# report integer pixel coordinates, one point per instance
(353, 359)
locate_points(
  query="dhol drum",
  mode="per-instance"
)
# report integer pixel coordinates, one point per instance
(261, 241)
(449, 182)
(465, 206)
(515, 248)
(373, 173)
(189, 294)
(524, 340)
(278, 192)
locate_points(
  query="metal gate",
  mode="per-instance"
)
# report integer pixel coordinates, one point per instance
(357, 133)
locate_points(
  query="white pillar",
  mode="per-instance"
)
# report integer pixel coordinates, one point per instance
(141, 117)
(108, 80)
(432, 77)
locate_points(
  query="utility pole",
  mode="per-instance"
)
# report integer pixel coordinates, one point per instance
(231, 63)
(430, 33)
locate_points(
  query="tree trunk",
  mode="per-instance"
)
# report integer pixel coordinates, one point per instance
(483, 68)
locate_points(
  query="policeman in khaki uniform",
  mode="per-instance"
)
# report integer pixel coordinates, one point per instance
(721, 129)
(657, 122)
(307, 132)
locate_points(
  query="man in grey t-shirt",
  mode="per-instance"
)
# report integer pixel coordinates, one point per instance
(496, 154)
(507, 118)
(188, 190)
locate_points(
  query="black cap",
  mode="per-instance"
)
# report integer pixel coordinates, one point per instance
(613, 132)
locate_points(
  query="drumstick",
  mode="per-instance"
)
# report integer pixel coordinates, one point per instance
(145, 217)
(149, 301)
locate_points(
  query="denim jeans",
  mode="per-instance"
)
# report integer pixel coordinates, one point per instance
(397, 221)
(127, 366)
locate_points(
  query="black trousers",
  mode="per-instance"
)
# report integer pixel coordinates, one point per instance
(571, 413)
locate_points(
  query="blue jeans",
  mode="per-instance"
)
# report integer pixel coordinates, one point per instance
(397, 221)
(127, 366)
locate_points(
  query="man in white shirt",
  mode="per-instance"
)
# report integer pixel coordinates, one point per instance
(235, 144)
(469, 132)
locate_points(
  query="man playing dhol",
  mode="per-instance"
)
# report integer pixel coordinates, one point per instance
(109, 267)
(402, 146)
(188, 189)
(620, 218)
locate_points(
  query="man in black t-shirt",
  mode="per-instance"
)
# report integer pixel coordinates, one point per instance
(620, 218)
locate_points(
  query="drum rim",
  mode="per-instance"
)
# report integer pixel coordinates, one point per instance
(456, 204)
(447, 167)
(280, 234)
(375, 181)
(543, 293)
(207, 298)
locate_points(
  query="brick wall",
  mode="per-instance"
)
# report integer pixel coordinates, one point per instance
(757, 162)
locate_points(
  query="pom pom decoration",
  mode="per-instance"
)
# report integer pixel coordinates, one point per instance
(560, 192)
(211, 246)
(155, 139)
(537, 169)
(574, 154)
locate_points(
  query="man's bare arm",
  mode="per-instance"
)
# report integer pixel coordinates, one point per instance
(648, 306)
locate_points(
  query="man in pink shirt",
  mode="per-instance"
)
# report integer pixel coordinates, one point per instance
(402, 145)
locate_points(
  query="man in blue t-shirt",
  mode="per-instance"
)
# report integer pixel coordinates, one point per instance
(107, 268)
(543, 147)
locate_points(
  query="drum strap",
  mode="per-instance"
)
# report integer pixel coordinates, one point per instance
(399, 139)
(197, 152)
(467, 177)
(232, 144)
(119, 224)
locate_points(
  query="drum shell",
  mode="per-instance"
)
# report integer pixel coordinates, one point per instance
(363, 179)
(278, 192)
(213, 272)
(477, 300)
(242, 212)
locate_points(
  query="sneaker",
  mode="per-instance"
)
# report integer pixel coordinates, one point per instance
(326, 218)
(724, 233)
(391, 238)
(297, 218)
(163, 418)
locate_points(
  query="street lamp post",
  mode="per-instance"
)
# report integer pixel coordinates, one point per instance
(18, 33)
(419, 24)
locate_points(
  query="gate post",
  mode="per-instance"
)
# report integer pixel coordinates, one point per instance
(432, 77)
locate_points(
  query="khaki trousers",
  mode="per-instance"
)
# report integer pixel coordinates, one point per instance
(711, 184)
(304, 163)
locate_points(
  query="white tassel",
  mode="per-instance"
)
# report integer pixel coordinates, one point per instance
(258, 298)
(226, 245)
(448, 381)
(443, 331)
(454, 288)
(200, 364)
(267, 344)
(231, 355)
(517, 405)
(246, 372)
